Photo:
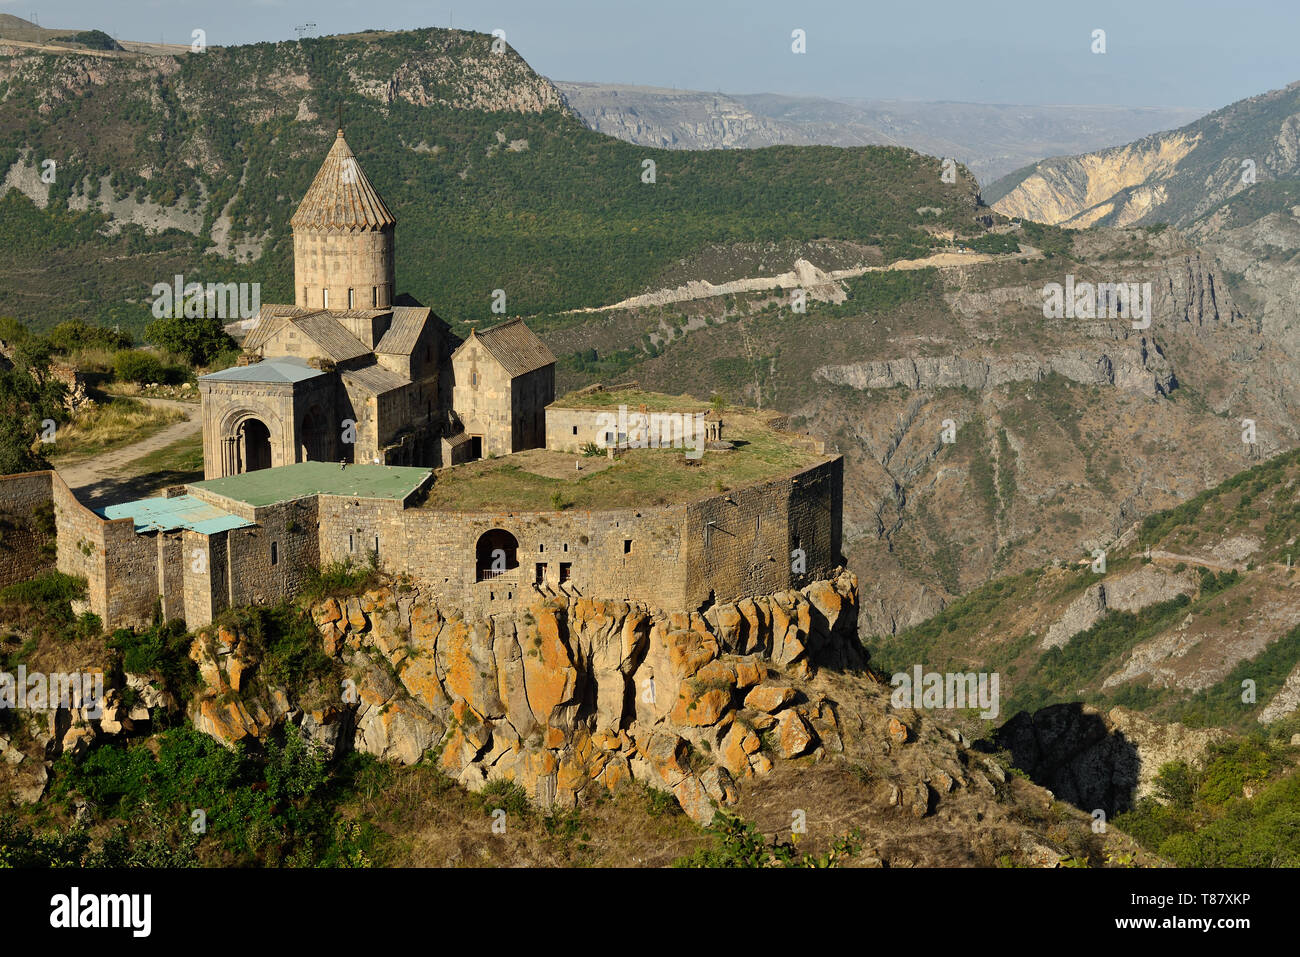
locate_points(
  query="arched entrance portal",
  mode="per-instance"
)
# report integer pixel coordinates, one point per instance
(254, 446)
(313, 445)
(497, 552)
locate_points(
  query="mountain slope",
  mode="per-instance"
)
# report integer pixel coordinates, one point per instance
(1175, 177)
(990, 139)
(495, 184)
(1064, 430)
(1192, 602)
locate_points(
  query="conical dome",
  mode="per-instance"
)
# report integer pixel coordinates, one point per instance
(343, 242)
(341, 197)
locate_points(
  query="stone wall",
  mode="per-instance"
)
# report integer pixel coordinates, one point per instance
(481, 395)
(339, 260)
(271, 560)
(206, 576)
(80, 534)
(171, 574)
(25, 533)
(744, 542)
(568, 430)
(530, 394)
(720, 548)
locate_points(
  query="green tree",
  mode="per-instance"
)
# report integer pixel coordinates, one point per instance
(200, 341)
(29, 399)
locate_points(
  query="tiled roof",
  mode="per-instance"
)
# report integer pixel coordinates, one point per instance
(405, 330)
(513, 345)
(321, 326)
(374, 379)
(331, 336)
(278, 369)
(340, 197)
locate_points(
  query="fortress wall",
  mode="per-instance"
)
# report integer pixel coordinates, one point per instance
(205, 576)
(739, 544)
(172, 558)
(130, 575)
(289, 529)
(626, 553)
(349, 528)
(82, 547)
(659, 555)
(22, 539)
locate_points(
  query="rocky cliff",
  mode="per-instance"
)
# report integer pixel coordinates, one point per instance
(1175, 177)
(572, 695)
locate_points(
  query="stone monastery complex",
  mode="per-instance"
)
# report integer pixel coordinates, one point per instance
(357, 428)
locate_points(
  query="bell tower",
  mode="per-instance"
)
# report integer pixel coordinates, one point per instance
(343, 240)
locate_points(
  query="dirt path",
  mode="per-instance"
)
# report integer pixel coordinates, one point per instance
(1193, 560)
(804, 275)
(106, 468)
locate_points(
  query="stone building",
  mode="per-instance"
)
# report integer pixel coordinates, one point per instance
(352, 372)
(503, 379)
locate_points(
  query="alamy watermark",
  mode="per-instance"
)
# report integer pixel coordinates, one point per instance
(653, 430)
(1102, 300)
(62, 689)
(219, 300)
(951, 690)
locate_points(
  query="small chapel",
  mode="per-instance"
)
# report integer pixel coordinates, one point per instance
(353, 372)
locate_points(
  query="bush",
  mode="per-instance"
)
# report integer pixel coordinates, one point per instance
(136, 365)
(274, 809)
(162, 650)
(75, 335)
(51, 593)
(199, 340)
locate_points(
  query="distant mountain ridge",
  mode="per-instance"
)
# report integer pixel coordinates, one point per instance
(1175, 177)
(990, 139)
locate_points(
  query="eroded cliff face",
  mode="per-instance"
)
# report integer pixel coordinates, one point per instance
(1119, 185)
(1178, 177)
(571, 696)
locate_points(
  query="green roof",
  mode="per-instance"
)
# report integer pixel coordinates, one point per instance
(277, 369)
(267, 486)
(168, 514)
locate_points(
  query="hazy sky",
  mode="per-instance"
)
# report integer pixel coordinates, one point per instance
(1159, 52)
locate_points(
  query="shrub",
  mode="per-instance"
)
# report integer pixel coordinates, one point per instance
(162, 650)
(136, 365)
(50, 593)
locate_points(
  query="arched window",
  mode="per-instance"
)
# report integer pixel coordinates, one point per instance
(495, 554)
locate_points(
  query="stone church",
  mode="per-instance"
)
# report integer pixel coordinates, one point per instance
(352, 372)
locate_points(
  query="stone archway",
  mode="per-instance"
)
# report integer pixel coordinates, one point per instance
(496, 553)
(248, 440)
(254, 445)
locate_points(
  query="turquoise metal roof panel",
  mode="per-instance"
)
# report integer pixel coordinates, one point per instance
(169, 514)
(278, 369)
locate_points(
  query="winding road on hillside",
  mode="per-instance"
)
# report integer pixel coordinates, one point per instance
(91, 479)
